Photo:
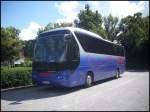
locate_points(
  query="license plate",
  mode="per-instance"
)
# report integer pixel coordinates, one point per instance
(45, 82)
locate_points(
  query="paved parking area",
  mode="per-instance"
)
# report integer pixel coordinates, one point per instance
(130, 92)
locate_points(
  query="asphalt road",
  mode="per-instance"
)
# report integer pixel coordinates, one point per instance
(130, 92)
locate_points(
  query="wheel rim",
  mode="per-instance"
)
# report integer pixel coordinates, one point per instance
(89, 80)
(117, 74)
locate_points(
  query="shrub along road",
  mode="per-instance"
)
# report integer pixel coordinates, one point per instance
(130, 92)
(14, 77)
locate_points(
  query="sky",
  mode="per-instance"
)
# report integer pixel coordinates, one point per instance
(28, 16)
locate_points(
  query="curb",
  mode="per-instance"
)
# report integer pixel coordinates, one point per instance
(16, 88)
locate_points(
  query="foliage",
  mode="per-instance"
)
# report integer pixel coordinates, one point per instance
(26, 63)
(91, 21)
(18, 76)
(29, 48)
(10, 44)
(131, 31)
(135, 36)
(111, 29)
(51, 26)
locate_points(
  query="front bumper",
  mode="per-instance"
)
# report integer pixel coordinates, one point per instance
(54, 79)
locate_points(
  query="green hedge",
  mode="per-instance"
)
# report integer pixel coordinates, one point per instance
(18, 76)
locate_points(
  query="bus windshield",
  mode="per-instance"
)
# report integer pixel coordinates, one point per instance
(50, 49)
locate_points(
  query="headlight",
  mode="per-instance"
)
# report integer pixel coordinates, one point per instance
(60, 77)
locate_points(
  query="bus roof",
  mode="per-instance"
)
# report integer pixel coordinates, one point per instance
(80, 30)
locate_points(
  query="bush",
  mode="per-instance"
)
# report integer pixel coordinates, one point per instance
(18, 76)
(27, 63)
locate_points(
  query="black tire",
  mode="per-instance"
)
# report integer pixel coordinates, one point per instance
(88, 81)
(117, 74)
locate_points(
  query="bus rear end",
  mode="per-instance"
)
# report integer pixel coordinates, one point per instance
(121, 61)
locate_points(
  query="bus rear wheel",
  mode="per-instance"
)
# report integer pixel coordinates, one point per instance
(117, 74)
(88, 81)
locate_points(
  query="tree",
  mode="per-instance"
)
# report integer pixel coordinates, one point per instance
(135, 38)
(10, 44)
(111, 29)
(29, 48)
(51, 26)
(89, 20)
(135, 29)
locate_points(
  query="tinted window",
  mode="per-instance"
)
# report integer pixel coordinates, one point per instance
(95, 45)
(89, 43)
(73, 50)
(50, 49)
(73, 57)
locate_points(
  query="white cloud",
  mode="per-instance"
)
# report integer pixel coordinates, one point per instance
(94, 5)
(30, 32)
(117, 8)
(68, 10)
(146, 11)
(125, 8)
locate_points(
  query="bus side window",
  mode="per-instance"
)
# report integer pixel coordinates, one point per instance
(73, 50)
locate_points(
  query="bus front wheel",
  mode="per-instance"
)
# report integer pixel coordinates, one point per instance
(88, 81)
